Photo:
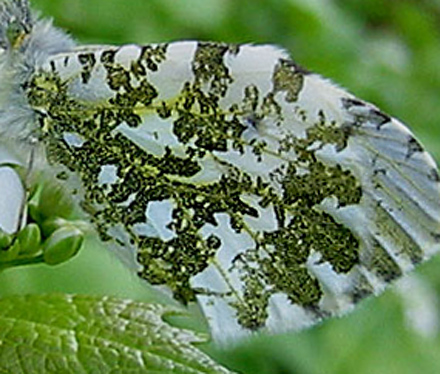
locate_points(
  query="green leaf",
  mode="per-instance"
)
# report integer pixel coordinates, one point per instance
(87, 334)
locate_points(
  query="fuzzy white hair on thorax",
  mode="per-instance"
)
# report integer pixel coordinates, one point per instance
(26, 41)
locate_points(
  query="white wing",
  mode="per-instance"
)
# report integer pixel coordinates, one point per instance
(236, 178)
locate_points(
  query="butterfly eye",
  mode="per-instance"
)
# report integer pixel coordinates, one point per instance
(15, 33)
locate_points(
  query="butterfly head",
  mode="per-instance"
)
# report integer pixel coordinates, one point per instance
(16, 23)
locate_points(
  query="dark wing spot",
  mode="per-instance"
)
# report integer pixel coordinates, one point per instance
(379, 118)
(108, 57)
(152, 56)
(209, 67)
(372, 116)
(298, 68)
(360, 292)
(380, 263)
(347, 103)
(433, 175)
(287, 79)
(88, 61)
(413, 147)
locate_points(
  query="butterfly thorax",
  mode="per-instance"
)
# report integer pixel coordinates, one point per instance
(25, 43)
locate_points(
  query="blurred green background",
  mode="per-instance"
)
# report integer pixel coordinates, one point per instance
(386, 52)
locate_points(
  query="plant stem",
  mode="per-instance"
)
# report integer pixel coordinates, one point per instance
(21, 262)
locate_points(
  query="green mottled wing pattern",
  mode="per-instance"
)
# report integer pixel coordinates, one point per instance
(238, 179)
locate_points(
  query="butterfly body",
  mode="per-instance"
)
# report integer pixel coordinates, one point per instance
(234, 177)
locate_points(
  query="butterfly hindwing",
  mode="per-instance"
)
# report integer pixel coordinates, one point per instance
(235, 177)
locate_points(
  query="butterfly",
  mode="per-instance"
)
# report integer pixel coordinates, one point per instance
(226, 173)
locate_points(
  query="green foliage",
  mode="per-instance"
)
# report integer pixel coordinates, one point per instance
(46, 237)
(85, 334)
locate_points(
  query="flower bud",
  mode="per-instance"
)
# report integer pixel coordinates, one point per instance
(30, 239)
(10, 253)
(62, 245)
(52, 224)
(5, 240)
(51, 200)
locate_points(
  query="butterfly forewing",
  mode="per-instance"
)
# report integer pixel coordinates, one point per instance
(235, 177)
